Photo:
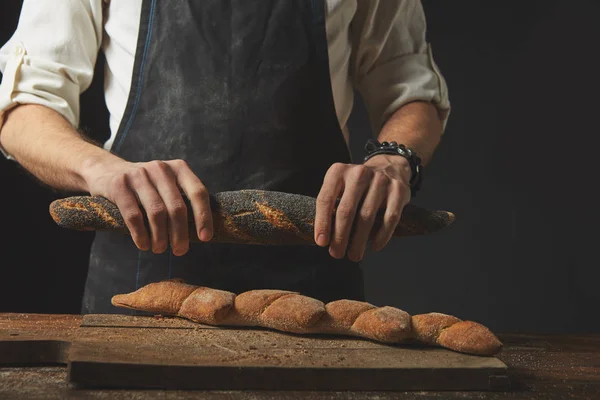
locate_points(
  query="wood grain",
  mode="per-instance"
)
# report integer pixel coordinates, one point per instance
(542, 366)
(154, 352)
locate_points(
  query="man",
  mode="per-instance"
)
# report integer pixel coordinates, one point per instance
(217, 95)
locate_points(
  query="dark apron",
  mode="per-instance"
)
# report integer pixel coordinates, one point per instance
(240, 90)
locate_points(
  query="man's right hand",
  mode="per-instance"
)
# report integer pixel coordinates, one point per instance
(48, 146)
(155, 187)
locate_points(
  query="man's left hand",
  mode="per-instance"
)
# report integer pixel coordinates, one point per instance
(381, 182)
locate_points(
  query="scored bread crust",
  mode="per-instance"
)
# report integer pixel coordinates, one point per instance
(292, 312)
(244, 216)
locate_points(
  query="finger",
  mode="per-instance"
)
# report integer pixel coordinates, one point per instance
(375, 197)
(328, 195)
(128, 205)
(355, 185)
(165, 181)
(199, 198)
(156, 211)
(398, 197)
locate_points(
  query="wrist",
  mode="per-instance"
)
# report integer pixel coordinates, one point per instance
(95, 166)
(393, 149)
(399, 164)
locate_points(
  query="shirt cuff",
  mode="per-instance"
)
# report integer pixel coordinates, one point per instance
(24, 82)
(7, 87)
(408, 78)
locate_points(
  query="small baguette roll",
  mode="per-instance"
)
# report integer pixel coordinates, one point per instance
(292, 312)
(470, 337)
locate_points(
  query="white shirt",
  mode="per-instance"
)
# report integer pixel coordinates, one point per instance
(375, 46)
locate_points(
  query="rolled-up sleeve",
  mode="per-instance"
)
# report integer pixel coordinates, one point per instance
(392, 62)
(50, 58)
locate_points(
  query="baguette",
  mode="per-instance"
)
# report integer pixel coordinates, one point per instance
(244, 217)
(292, 312)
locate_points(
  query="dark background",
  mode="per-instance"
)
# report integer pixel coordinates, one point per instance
(517, 165)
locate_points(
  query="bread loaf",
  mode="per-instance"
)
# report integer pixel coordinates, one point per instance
(292, 312)
(244, 216)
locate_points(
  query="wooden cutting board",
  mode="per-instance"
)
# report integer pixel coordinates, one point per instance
(151, 352)
(148, 352)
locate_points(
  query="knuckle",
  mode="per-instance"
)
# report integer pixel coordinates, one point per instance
(393, 215)
(336, 169)
(325, 200)
(345, 212)
(178, 208)
(179, 163)
(156, 210)
(200, 193)
(367, 214)
(157, 166)
(361, 168)
(137, 172)
(337, 166)
(132, 216)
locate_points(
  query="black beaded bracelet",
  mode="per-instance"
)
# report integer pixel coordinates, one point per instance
(373, 148)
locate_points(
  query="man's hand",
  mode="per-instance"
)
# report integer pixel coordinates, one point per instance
(383, 182)
(48, 146)
(156, 187)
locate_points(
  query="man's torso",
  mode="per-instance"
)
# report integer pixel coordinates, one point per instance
(121, 26)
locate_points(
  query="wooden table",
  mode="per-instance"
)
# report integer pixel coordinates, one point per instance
(540, 367)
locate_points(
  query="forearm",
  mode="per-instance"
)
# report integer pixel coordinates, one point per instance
(416, 125)
(46, 145)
